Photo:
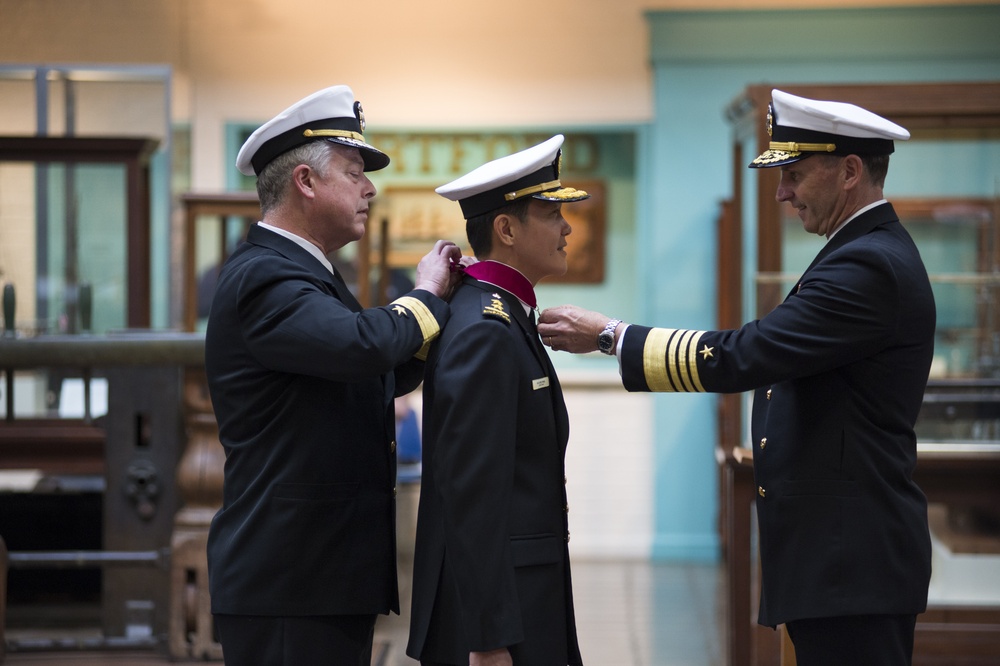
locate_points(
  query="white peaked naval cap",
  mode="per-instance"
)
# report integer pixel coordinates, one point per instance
(800, 127)
(331, 114)
(531, 172)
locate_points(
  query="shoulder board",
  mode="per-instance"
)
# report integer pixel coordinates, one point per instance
(495, 308)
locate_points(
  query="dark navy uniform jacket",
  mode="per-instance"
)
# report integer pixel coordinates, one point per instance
(839, 370)
(491, 566)
(302, 382)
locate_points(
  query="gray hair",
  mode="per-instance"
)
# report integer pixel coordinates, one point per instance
(876, 166)
(272, 183)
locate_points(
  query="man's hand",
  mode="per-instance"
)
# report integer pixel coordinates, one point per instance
(435, 273)
(499, 657)
(572, 329)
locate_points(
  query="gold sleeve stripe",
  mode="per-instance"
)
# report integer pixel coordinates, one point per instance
(670, 360)
(654, 356)
(422, 354)
(429, 326)
(689, 364)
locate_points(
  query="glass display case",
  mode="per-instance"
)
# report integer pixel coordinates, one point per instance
(74, 250)
(75, 211)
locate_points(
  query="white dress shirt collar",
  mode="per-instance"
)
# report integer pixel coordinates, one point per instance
(302, 242)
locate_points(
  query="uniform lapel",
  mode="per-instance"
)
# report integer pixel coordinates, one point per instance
(267, 238)
(526, 325)
(856, 228)
(558, 402)
(344, 293)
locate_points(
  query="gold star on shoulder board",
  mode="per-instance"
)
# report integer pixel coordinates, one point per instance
(400, 310)
(706, 352)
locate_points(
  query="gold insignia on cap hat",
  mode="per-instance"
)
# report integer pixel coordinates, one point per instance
(525, 191)
(331, 114)
(772, 156)
(344, 134)
(564, 194)
(799, 126)
(795, 147)
(550, 191)
(359, 113)
(531, 172)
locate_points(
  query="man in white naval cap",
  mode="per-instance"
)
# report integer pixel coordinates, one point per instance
(302, 553)
(491, 575)
(839, 370)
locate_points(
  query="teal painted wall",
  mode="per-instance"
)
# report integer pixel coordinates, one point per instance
(700, 62)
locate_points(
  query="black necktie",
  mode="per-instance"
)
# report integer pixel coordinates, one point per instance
(556, 391)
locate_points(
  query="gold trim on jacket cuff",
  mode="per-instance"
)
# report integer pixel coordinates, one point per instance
(429, 326)
(670, 360)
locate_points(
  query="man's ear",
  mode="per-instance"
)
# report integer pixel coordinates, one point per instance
(303, 180)
(853, 170)
(503, 229)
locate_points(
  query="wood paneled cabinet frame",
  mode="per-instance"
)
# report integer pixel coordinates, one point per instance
(134, 154)
(218, 206)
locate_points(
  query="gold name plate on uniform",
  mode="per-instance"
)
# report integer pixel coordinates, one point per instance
(540, 383)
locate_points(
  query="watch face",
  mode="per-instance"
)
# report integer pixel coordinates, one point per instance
(604, 342)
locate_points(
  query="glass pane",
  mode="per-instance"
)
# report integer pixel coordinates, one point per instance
(53, 393)
(63, 234)
(955, 238)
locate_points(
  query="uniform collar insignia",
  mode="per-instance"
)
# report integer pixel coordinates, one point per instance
(495, 308)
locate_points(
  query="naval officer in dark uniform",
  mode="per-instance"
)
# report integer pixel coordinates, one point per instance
(491, 580)
(839, 370)
(301, 556)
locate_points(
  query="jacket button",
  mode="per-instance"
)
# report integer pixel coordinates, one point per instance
(761, 491)
(768, 394)
(567, 536)
(392, 446)
(394, 491)
(566, 508)
(763, 442)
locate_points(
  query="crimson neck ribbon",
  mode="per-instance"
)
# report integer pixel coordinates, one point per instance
(505, 277)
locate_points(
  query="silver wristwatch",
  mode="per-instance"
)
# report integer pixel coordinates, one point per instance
(606, 339)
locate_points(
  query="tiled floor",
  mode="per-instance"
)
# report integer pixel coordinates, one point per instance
(630, 614)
